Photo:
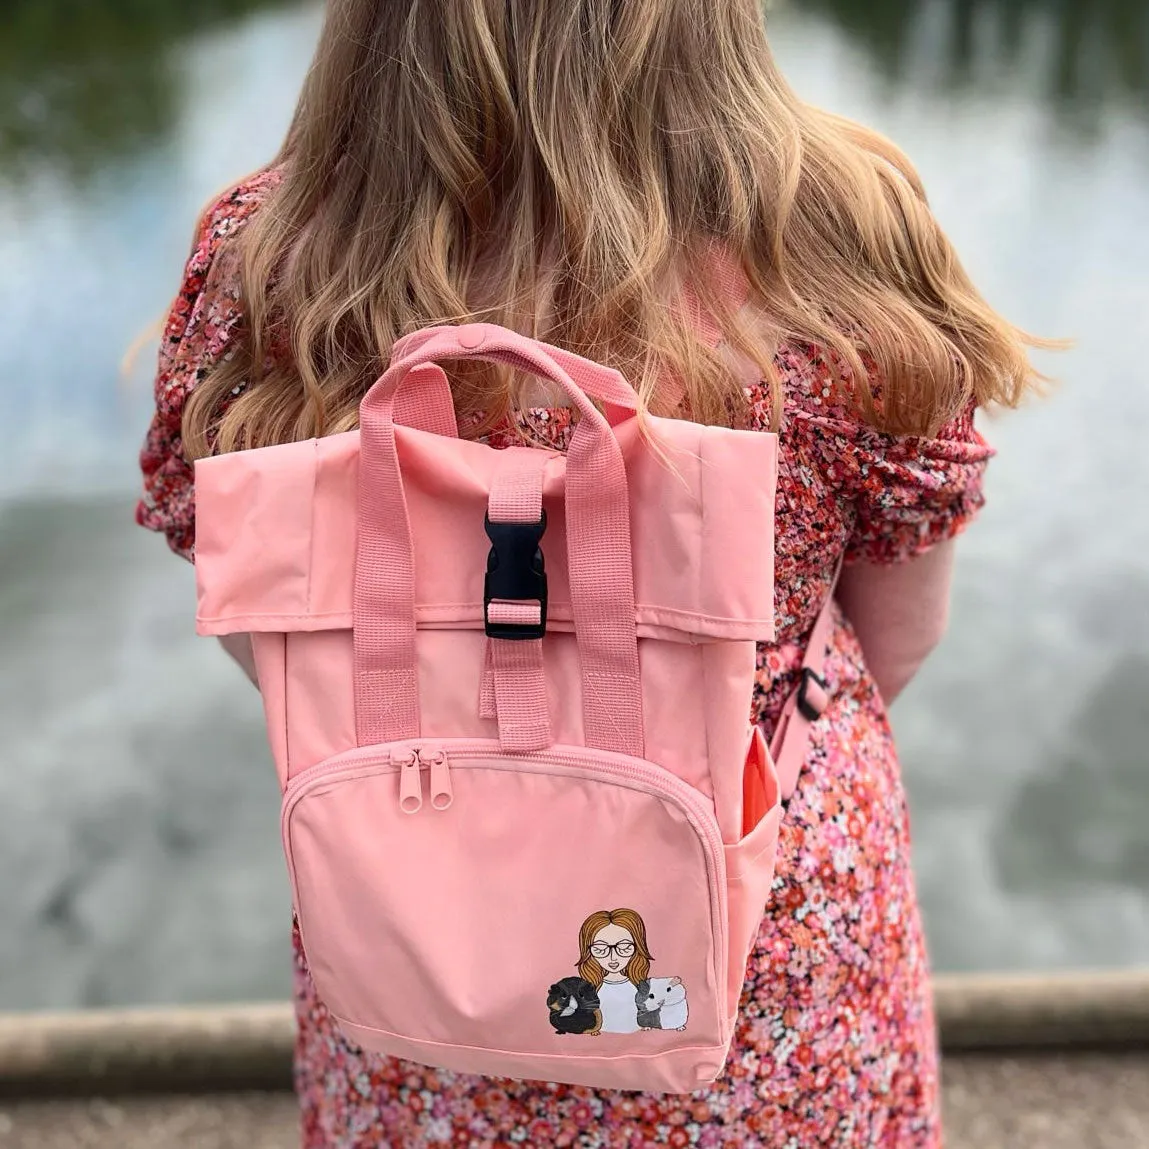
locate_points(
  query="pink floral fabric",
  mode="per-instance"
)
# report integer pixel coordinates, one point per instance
(835, 1043)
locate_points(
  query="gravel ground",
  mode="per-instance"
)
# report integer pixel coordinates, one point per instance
(1079, 1102)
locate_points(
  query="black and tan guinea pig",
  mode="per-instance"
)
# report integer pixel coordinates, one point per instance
(574, 1006)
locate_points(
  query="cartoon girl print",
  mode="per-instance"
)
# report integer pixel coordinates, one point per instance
(614, 992)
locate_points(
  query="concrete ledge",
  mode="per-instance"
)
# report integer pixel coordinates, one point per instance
(1051, 1013)
(190, 1050)
(249, 1047)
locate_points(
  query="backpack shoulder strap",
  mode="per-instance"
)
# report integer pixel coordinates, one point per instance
(807, 703)
(729, 282)
(811, 696)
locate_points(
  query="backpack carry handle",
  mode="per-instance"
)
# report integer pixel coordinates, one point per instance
(428, 406)
(598, 536)
(495, 344)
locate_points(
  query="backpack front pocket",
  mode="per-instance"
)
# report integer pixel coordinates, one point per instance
(557, 916)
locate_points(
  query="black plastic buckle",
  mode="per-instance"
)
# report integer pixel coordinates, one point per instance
(516, 572)
(805, 706)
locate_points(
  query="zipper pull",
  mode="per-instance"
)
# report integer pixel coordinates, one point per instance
(410, 782)
(441, 794)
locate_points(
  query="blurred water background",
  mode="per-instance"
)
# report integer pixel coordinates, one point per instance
(139, 856)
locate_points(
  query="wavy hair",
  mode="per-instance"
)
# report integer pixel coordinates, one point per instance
(637, 968)
(568, 168)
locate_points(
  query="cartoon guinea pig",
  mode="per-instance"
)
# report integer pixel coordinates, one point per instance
(661, 1003)
(574, 1006)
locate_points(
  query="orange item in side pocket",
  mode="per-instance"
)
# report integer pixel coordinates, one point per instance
(756, 801)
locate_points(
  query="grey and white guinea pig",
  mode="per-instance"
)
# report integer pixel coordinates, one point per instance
(661, 1003)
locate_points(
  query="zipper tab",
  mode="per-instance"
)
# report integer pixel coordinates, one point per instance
(410, 782)
(442, 796)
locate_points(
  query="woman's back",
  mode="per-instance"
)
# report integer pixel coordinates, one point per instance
(624, 147)
(845, 488)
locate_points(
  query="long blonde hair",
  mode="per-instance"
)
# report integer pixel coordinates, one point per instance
(563, 168)
(637, 968)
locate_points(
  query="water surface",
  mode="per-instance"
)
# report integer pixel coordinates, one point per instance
(138, 813)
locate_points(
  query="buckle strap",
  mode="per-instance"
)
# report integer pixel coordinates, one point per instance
(812, 705)
(808, 702)
(520, 689)
(513, 684)
(515, 587)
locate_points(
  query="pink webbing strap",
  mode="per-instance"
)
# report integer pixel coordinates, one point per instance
(515, 673)
(386, 683)
(386, 667)
(598, 381)
(602, 593)
(426, 403)
(806, 704)
(729, 282)
(598, 540)
(514, 688)
(731, 285)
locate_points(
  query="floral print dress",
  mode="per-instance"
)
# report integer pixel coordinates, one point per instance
(835, 1043)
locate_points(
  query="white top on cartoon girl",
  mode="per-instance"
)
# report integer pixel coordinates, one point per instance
(612, 949)
(619, 1008)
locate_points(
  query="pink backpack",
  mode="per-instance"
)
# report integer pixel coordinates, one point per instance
(529, 824)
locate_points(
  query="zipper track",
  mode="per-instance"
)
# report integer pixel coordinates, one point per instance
(580, 762)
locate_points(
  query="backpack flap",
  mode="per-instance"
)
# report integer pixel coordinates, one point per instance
(275, 530)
